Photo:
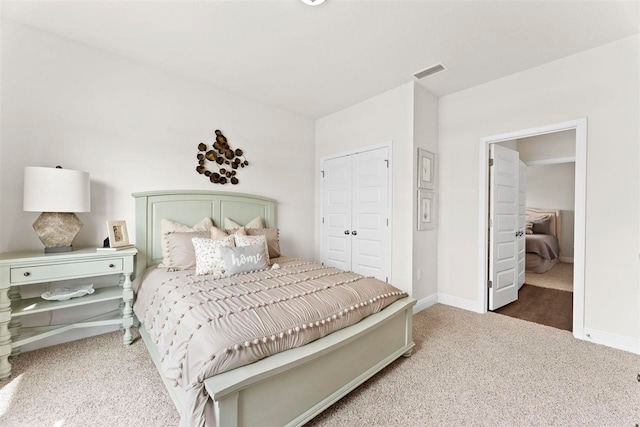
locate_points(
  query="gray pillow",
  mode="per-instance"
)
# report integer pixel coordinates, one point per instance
(244, 259)
(542, 226)
(180, 252)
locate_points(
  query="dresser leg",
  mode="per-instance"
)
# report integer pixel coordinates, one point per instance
(15, 325)
(127, 312)
(5, 335)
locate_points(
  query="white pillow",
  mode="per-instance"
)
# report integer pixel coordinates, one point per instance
(230, 224)
(167, 226)
(242, 240)
(208, 256)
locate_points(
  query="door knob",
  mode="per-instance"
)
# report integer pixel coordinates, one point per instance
(354, 232)
(346, 231)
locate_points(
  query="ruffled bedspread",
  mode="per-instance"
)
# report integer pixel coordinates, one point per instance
(544, 245)
(203, 326)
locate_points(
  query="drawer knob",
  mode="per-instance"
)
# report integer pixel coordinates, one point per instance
(111, 265)
(27, 274)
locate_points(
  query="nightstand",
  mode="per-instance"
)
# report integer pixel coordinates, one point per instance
(28, 268)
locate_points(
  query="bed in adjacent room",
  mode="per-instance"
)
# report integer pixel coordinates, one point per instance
(543, 232)
(290, 336)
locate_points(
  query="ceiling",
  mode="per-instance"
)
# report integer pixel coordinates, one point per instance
(315, 60)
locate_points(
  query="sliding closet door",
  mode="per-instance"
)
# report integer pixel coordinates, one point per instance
(356, 232)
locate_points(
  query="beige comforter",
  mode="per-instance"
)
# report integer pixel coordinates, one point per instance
(202, 326)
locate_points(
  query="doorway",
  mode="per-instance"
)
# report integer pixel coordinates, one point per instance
(580, 128)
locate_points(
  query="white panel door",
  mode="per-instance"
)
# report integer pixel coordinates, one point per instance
(356, 233)
(522, 213)
(369, 230)
(503, 220)
(337, 206)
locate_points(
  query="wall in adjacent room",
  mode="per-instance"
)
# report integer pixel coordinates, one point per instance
(557, 145)
(134, 128)
(577, 86)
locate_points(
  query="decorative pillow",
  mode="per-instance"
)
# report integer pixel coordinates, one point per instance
(182, 255)
(528, 227)
(216, 233)
(273, 239)
(208, 256)
(254, 223)
(244, 259)
(240, 230)
(167, 226)
(253, 240)
(272, 235)
(542, 226)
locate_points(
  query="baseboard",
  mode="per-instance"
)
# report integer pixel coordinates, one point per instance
(425, 303)
(567, 259)
(612, 340)
(465, 304)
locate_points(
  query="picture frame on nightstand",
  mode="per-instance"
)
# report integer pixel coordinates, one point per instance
(118, 235)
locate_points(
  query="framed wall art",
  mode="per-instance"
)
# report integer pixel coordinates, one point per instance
(426, 169)
(426, 210)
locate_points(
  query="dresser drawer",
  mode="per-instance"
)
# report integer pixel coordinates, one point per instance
(66, 270)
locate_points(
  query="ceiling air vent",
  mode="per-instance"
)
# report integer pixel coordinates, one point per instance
(429, 71)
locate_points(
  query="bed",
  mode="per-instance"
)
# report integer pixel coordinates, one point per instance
(289, 387)
(543, 231)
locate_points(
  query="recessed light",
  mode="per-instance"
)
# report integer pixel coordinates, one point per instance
(312, 2)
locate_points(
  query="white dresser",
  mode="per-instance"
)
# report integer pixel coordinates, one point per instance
(34, 267)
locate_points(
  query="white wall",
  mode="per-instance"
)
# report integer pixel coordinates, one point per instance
(425, 242)
(553, 187)
(135, 128)
(386, 117)
(407, 116)
(581, 85)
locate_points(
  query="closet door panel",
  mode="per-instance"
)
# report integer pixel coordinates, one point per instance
(337, 213)
(370, 183)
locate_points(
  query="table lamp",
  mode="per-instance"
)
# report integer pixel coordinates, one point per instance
(57, 193)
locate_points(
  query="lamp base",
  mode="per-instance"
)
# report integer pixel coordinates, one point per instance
(56, 230)
(58, 249)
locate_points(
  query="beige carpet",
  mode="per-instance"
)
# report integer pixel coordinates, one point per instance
(467, 369)
(559, 277)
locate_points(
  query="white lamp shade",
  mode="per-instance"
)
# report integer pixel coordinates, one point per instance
(56, 190)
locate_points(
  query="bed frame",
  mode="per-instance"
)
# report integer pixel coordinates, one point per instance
(288, 388)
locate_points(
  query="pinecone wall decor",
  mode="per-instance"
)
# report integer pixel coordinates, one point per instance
(225, 159)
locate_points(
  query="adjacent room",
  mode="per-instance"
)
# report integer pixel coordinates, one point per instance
(319, 212)
(547, 188)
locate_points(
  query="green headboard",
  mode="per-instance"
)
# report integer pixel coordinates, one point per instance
(189, 207)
